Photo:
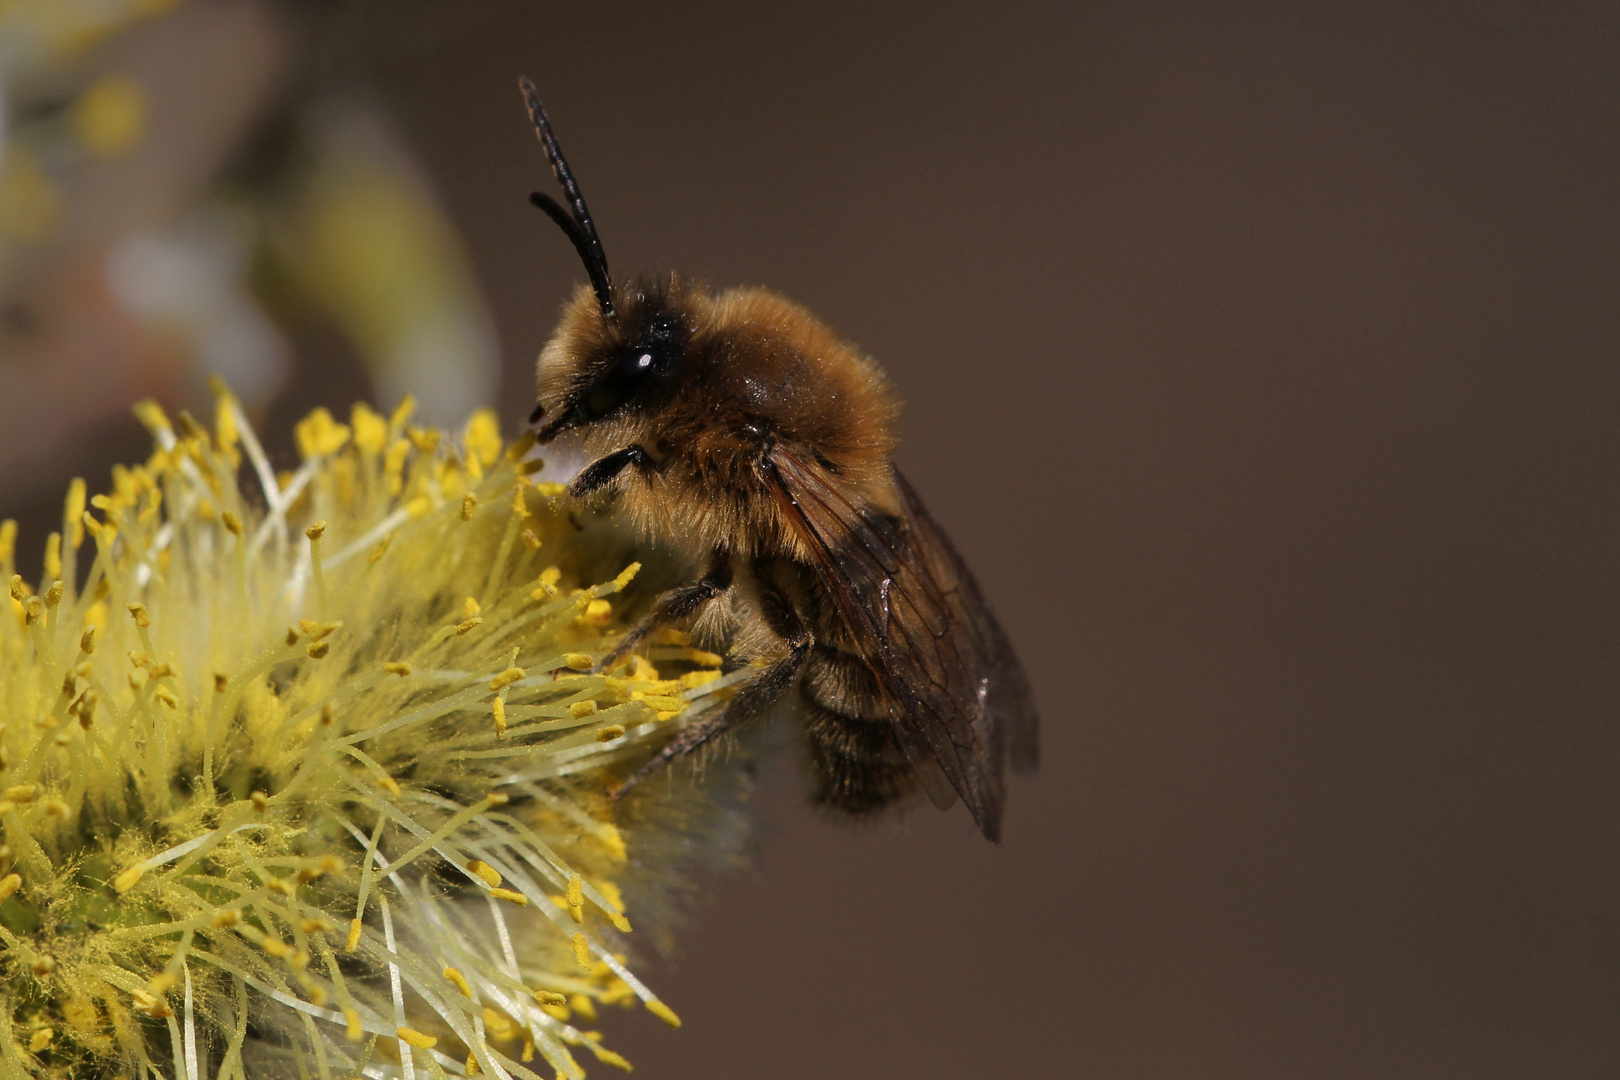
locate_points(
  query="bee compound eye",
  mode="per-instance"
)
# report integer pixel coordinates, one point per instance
(624, 378)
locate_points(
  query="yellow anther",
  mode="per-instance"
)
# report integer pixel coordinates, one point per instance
(416, 1038)
(578, 661)
(576, 898)
(319, 434)
(620, 921)
(162, 982)
(152, 1006)
(151, 416)
(390, 785)
(520, 500)
(34, 610)
(487, 873)
(530, 540)
(138, 612)
(370, 429)
(163, 671)
(609, 733)
(353, 940)
(510, 897)
(472, 1068)
(469, 503)
(53, 555)
(425, 440)
(694, 679)
(139, 659)
(319, 650)
(19, 590)
(613, 840)
(87, 640)
(381, 549)
(232, 523)
(110, 117)
(314, 926)
(55, 807)
(627, 574)
(292, 635)
(581, 709)
(499, 709)
(276, 947)
(328, 714)
(659, 703)
(280, 886)
(584, 1006)
(506, 678)
(598, 613)
(353, 1031)
(53, 595)
(466, 625)
(608, 1057)
(167, 696)
(316, 531)
(21, 793)
(221, 682)
(9, 886)
(664, 1013)
(397, 667)
(40, 1039)
(318, 630)
(260, 801)
(459, 980)
(582, 951)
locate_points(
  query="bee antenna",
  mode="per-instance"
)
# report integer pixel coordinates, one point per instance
(578, 224)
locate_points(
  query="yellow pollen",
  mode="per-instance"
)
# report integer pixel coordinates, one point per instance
(550, 997)
(353, 1032)
(467, 625)
(499, 709)
(581, 709)
(598, 613)
(694, 679)
(353, 940)
(579, 661)
(659, 703)
(626, 575)
(484, 871)
(510, 897)
(316, 531)
(530, 540)
(416, 1038)
(582, 951)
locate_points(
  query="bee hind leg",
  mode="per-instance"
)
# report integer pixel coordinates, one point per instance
(760, 693)
(672, 606)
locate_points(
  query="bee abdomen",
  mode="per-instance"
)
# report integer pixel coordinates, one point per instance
(858, 762)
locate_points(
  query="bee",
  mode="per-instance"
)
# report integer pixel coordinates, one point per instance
(738, 429)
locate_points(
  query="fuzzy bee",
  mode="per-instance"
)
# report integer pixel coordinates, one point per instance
(737, 428)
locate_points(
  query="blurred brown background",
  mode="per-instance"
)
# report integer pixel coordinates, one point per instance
(1262, 360)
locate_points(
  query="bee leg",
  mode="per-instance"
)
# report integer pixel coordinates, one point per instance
(756, 696)
(760, 693)
(672, 606)
(604, 470)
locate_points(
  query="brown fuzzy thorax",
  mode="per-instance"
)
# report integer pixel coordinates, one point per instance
(750, 370)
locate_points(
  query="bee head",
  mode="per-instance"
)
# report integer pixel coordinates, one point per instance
(596, 369)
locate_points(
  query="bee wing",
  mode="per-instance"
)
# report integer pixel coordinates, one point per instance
(959, 699)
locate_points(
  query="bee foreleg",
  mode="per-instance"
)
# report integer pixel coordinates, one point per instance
(673, 606)
(760, 693)
(603, 470)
